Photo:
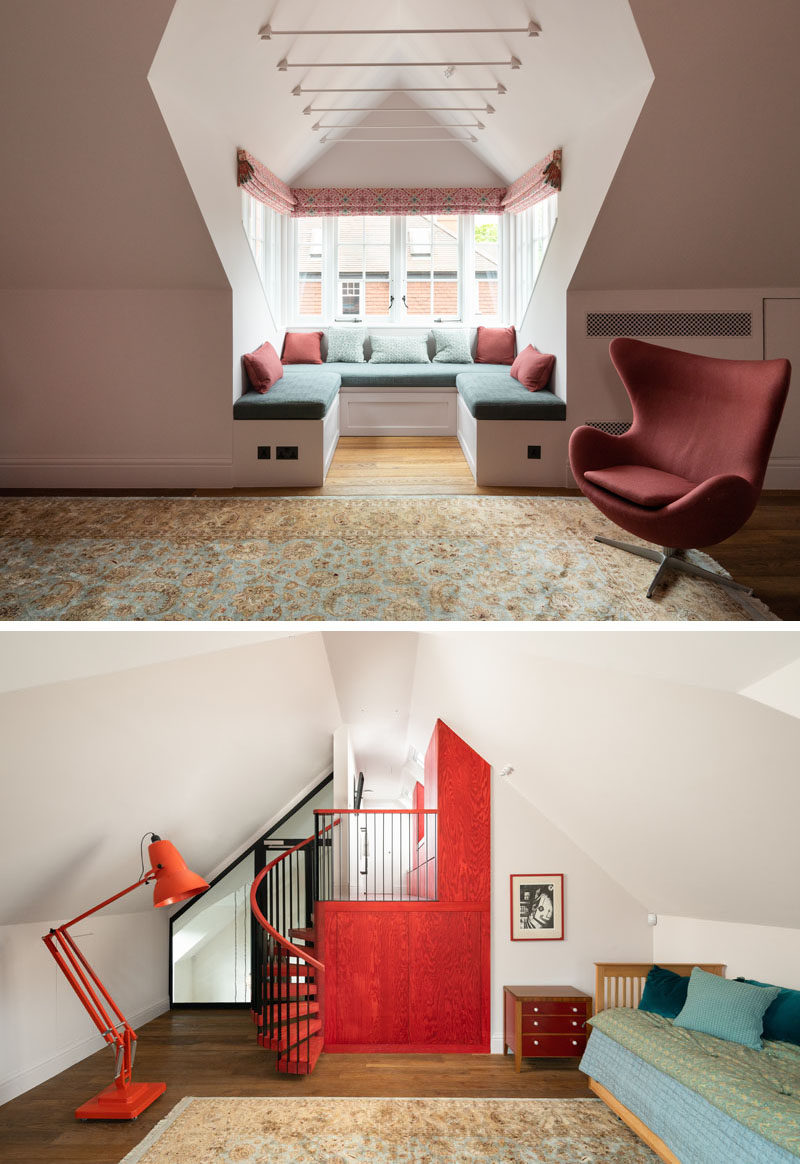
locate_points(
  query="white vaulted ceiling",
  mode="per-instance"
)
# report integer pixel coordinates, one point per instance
(588, 58)
(642, 747)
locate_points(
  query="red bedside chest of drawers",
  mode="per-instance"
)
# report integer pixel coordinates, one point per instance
(547, 1022)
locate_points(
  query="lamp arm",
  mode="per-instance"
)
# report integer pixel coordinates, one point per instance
(84, 981)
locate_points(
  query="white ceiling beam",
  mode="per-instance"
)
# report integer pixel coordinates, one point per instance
(266, 32)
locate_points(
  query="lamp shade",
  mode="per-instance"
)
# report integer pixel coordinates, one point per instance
(174, 880)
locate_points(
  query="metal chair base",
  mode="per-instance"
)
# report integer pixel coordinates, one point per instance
(667, 559)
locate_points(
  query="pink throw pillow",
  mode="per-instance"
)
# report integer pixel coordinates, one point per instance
(533, 368)
(302, 347)
(496, 345)
(263, 367)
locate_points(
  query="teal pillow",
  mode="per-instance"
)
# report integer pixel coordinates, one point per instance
(346, 345)
(782, 1017)
(664, 992)
(726, 1009)
(452, 347)
(399, 349)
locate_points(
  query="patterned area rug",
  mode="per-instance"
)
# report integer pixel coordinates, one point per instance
(300, 558)
(391, 1131)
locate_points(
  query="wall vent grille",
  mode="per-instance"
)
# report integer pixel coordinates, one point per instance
(615, 427)
(660, 323)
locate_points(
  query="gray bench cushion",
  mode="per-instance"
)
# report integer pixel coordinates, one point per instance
(498, 396)
(296, 396)
(404, 375)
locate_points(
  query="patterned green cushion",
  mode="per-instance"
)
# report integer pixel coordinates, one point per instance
(345, 345)
(399, 349)
(664, 992)
(452, 347)
(725, 1008)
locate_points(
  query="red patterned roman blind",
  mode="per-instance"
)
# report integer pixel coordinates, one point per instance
(538, 183)
(311, 202)
(262, 184)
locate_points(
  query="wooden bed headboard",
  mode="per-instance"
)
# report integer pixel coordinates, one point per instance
(622, 983)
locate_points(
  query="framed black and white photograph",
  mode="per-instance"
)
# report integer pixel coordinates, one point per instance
(537, 907)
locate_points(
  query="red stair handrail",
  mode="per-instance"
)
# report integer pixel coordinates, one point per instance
(259, 916)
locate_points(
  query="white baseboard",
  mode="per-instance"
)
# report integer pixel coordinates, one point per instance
(23, 1081)
(116, 472)
(497, 1044)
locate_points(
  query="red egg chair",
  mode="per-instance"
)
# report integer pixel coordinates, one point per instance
(689, 470)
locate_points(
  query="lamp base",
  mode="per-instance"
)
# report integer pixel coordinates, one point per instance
(121, 1103)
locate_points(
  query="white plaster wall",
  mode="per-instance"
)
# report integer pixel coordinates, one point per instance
(115, 309)
(768, 953)
(45, 1028)
(213, 976)
(602, 920)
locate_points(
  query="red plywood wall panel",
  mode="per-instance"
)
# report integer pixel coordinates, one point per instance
(447, 995)
(464, 821)
(369, 1001)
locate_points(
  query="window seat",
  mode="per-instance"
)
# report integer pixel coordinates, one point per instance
(292, 430)
(301, 395)
(432, 375)
(500, 430)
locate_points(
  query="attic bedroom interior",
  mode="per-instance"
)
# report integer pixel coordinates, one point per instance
(558, 804)
(363, 284)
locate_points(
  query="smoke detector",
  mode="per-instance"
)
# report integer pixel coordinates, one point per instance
(449, 72)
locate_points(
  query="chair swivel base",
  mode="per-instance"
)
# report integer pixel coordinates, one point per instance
(121, 1103)
(667, 559)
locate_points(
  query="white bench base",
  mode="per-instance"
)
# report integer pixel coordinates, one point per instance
(397, 412)
(315, 441)
(497, 450)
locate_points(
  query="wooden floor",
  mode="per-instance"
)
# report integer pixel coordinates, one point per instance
(213, 1052)
(765, 554)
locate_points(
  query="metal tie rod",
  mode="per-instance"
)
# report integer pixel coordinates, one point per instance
(394, 140)
(266, 32)
(498, 88)
(284, 64)
(399, 109)
(401, 125)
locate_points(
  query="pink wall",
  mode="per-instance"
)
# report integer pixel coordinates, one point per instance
(116, 311)
(706, 194)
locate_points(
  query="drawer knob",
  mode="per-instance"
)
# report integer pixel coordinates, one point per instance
(536, 1022)
(574, 1023)
(574, 1042)
(536, 1009)
(575, 1009)
(536, 1042)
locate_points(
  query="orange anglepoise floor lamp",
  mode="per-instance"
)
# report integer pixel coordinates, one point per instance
(124, 1099)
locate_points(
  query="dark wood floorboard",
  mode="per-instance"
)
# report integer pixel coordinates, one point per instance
(214, 1052)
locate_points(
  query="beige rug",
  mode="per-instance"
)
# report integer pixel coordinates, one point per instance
(394, 559)
(391, 1131)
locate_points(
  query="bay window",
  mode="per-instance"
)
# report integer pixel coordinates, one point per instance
(395, 270)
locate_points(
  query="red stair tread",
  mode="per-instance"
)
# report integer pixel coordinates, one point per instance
(292, 990)
(291, 1065)
(304, 934)
(297, 1034)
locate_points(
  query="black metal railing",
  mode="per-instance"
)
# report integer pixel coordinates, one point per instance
(375, 855)
(285, 976)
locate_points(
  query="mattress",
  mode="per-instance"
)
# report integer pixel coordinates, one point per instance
(710, 1101)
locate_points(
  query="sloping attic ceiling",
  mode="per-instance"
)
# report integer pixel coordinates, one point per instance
(637, 745)
(687, 796)
(587, 60)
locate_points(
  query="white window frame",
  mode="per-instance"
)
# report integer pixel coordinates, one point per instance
(264, 232)
(362, 316)
(398, 316)
(530, 234)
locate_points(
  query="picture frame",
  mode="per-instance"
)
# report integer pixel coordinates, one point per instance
(537, 907)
